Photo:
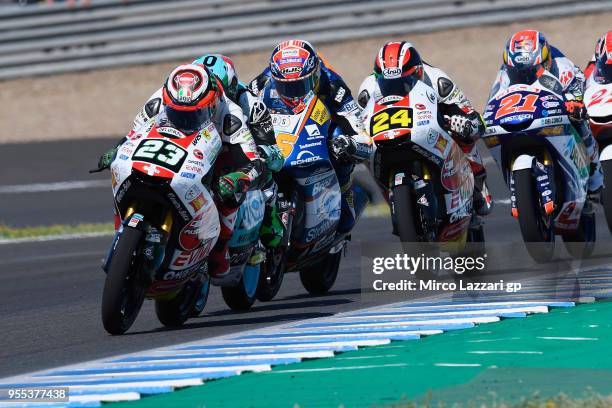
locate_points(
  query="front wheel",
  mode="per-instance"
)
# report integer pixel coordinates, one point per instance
(241, 297)
(403, 210)
(606, 192)
(319, 278)
(536, 225)
(271, 274)
(123, 293)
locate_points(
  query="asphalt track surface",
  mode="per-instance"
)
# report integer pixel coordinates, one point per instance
(50, 292)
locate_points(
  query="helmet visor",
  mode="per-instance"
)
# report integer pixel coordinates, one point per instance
(522, 74)
(396, 86)
(298, 88)
(603, 73)
(187, 121)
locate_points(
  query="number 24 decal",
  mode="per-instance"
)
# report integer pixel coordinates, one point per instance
(152, 149)
(391, 118)
(508, 105)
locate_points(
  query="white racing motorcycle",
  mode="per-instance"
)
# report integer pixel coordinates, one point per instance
(422, 171)
(598, 101)
(168, 223)
(545, 164)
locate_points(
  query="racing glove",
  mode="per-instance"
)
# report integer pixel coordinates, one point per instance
(460, 126)
(107, 158)
(272, 156)
(576, 110)
(342, 148)
(232, 184)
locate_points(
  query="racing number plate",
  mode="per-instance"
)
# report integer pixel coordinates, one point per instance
(392, 118)
(162, 153)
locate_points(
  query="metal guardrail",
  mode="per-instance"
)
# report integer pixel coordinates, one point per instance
(56, 39)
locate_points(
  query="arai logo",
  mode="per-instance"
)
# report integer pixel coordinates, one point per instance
(392, 72)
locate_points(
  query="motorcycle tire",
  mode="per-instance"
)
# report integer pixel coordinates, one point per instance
(123, 295)
(271, 274)
(403, 208)
(241, 297)
(536, 226)
(200, 302)
(581, 244)
(606, 192)
(319, 278)
(174, 312)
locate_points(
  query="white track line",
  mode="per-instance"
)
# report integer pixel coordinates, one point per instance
(57, 186)
(58, 237)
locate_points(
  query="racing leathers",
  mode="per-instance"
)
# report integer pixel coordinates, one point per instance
(563, 77)
(260, 124)
(461, 120)
(348, 142)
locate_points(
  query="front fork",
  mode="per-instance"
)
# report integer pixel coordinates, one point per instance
(155, 240)
(543, 177)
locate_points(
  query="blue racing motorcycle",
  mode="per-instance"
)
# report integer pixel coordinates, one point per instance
(546, 166)
(309, 202)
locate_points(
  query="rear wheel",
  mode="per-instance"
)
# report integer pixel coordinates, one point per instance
(271, 274)
(536, 225)
(606, 192)
(319, 278)
(174, 312)
(123, 293)
(241, 297)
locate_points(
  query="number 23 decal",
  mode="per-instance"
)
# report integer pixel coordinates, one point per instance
(508, 105)
(161, 152)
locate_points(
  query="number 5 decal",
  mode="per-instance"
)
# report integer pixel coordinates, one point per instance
(508, 105)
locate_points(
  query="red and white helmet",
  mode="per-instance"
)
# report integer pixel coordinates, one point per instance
(190, 96)
(397, 68)
(603, 59)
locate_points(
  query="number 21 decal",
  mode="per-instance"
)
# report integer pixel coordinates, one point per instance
(510, 104)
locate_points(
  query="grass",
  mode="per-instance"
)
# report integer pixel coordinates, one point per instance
(7, 232)
(560, 401)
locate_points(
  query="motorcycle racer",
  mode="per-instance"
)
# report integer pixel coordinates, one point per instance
(191, 99)
(397, 67)
(529, 57)
(295, 70)
(259, 123)
(599, 68)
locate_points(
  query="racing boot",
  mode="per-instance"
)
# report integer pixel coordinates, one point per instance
(483, 203)
(347, 207)
(272, 229)
(595, 183)
(219, 259)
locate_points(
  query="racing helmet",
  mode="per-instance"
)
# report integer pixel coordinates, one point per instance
(223, 68)
(526, 56)
(397, 68)
(295, 70)
(190, 96)
(603, 59)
